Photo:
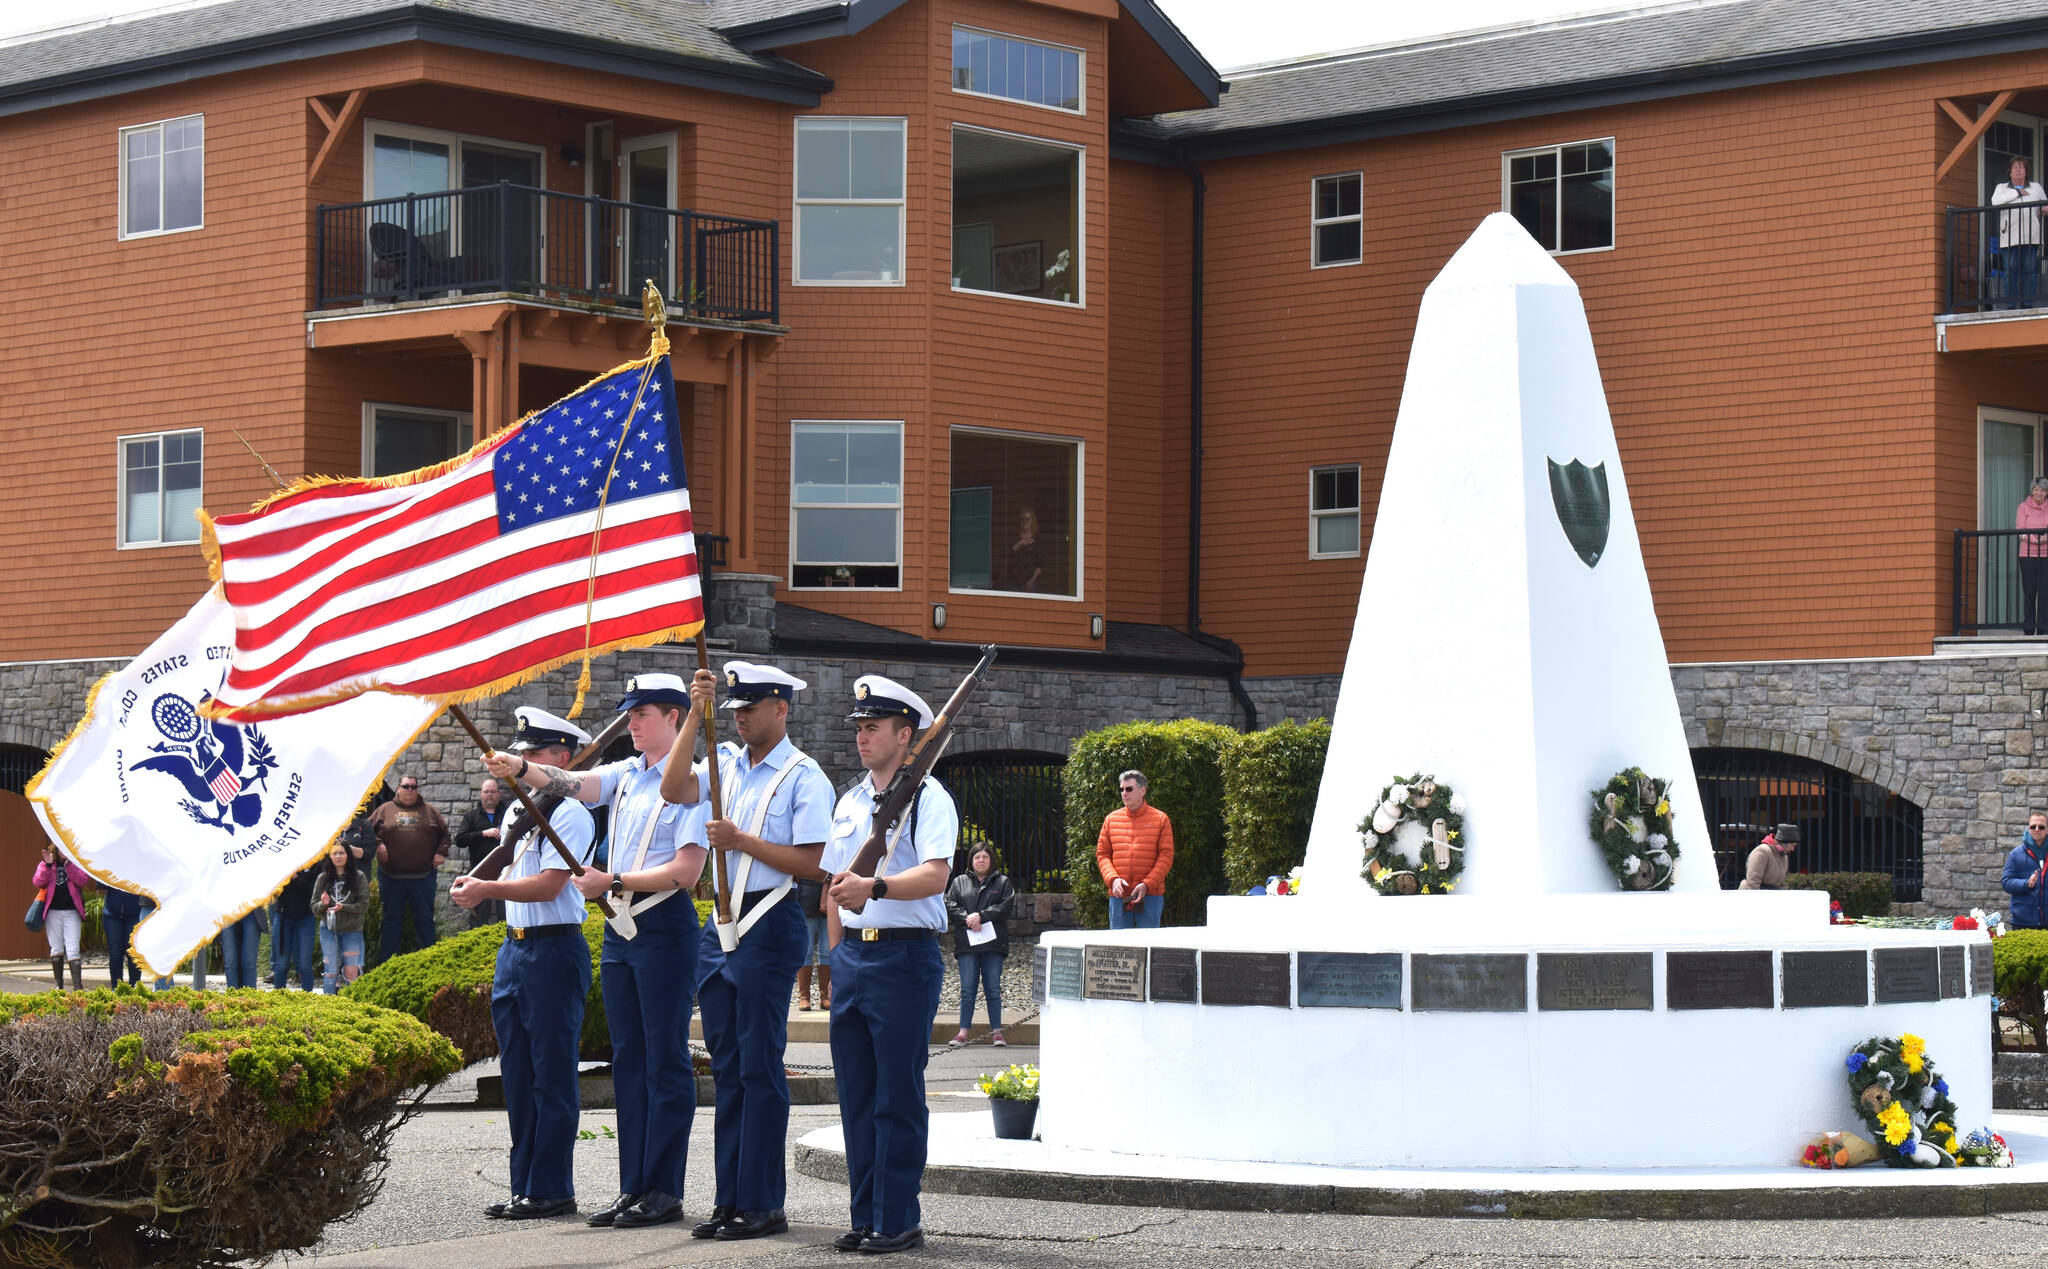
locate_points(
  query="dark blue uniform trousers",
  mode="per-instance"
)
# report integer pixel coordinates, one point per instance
(647, 1007)
(884, 997)
(743, 998)
(537, 1000)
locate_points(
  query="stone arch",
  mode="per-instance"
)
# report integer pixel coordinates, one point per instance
(1886, 775)
(1037, 739)
(15, 731)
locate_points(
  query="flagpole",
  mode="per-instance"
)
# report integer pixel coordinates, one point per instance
(519, 791)
(721, 884)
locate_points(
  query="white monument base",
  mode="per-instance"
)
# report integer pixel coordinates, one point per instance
(1497, 1087)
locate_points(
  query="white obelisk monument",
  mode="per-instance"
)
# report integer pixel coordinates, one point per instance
(1494, 649)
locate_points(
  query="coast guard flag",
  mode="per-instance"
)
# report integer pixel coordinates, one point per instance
(462, 580)
(208, 818)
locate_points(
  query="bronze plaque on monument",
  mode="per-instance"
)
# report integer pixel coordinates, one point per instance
(1980, 969)
(1349, 980)
(1246, 978)
(1113, 973)
(1817, 979)
(1482, 982)
(1718, 980)
(1173, 975)
(1065, 978)
(1952, 987)
(1038, 959)
(1595, 980)
(1907, 975)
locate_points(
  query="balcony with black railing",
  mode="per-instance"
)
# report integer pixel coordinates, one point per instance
(2000, 582)
(1994, 258)
(516, 239)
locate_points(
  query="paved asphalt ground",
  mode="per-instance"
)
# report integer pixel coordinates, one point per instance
(449, 1161)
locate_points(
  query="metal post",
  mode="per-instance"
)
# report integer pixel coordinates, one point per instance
(1956, 587)
(505, 237)
(775, 272)
(412, 239)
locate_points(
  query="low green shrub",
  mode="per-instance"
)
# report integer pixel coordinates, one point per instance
(1182, 762)
(1861, 894)
(2019, 975)
(195, 1129)
(1270, 782)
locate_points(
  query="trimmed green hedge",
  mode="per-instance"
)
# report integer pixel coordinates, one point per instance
(2019, 974)
(1861, 894)
(1182, 762)
(195, 1128)
(1270, 782)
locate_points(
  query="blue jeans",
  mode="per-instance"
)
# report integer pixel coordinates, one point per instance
(814, 953)
(403, 894)
(1146, 917)
(985, 968)
(238, 949)
(291, 947)
(119, 930)
(342, 955)
(2022, 275)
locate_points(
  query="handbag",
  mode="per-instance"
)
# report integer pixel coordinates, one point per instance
(36, 909)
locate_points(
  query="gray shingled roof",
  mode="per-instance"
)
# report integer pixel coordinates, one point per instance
(1683, 47)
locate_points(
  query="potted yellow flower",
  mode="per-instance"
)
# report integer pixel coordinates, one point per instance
(1013, 1100)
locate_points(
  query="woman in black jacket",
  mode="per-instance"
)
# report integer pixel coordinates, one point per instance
(979, 901)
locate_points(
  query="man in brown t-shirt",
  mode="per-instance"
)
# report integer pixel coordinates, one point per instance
(412, 842)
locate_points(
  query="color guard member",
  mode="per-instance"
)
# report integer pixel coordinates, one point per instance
(541, 982)
(886, 969)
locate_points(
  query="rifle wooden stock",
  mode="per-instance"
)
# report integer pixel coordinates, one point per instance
(493, 865)
(910, 776)
(540, 821)
(721, 885)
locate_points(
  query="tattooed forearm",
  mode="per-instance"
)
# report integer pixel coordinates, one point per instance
(563, 784)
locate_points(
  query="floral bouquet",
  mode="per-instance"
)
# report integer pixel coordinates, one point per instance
(1904, 1101)
(1018, 1084)
(1984, 1149)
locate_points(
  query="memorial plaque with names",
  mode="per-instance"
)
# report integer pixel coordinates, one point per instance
(1065, 977)
(1595, 980)
(1113, 973)
(1245, 978)
(1173, 975)
(1718, 980)
(1817, 979)
(1484, 982)
(1908, 975)
(1952, 987)
(1039, 956)
(1980, 969)
(1349, 980)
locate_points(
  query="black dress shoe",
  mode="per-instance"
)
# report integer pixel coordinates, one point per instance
(603, 1215)
(651, 1208)
(905, 1241)
(852, 1238)
(753, 1225)
(526, 1208)
(496, 1211)
(709, 1228)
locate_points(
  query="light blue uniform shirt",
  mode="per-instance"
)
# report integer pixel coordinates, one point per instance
(634, 790)
(533, 854)
(800, 812)
(934, 833)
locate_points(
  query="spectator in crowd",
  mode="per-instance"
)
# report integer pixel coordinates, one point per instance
(810, 897)
(2032, 519)
(63, 913)
(2019, 234)
(291, 929)
(119, 916)
(1134, 852)
(340, 897)
(978, 903)
(412, 844)
(1769, 862)
(2026, 876)
(238, 944)
(476, 836)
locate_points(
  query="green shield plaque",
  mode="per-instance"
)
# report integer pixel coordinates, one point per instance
(1579, 493)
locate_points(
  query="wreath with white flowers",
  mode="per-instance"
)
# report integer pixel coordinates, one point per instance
(1904, 1102)
(1436, 841)
(1631, 825)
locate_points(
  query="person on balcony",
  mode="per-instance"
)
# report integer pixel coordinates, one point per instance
(2019, 235)
(2032, 520)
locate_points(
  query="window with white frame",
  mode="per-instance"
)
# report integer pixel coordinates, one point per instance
(1563, 194)
(160, 488)
(1333, 512)
(849, 201)
(994, 65)
(1016, 216)
(163, 176)
(400, 438)
(1016, 502)
(1337, 219)
(846, 504)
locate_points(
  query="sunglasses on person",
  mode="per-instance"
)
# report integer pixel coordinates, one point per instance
(408, 786)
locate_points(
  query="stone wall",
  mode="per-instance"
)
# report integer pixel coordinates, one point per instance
(1299, 697)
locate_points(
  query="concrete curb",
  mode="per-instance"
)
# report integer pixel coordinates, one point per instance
(815, 1027)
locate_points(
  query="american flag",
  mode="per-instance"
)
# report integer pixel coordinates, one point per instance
(457, 581)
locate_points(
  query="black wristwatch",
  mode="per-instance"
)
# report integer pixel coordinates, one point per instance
(881, 890)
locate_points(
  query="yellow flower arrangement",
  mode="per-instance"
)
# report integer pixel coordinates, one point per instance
(1019, 1083)
(1896, 1126)
(1913, 1052)
(1664, 807)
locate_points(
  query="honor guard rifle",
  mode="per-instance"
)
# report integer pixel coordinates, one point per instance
(493, 865)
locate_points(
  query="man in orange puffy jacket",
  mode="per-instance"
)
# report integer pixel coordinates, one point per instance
(1134, 852)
